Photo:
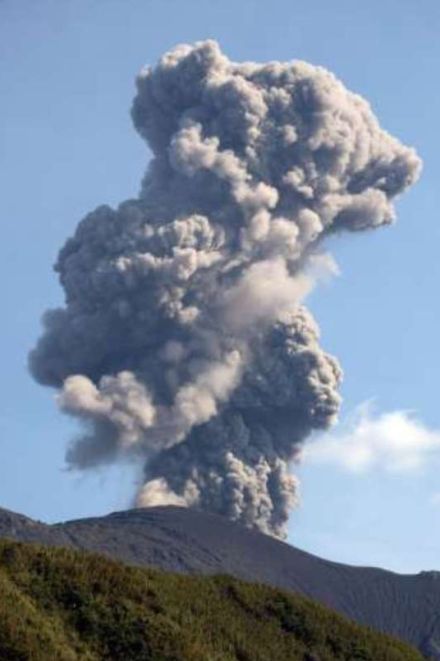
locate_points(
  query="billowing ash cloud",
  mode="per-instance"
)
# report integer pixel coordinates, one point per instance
(183, 340)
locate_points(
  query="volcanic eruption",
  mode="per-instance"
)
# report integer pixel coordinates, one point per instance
(184, 342)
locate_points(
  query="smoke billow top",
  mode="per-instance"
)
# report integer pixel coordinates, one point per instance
(183, 342)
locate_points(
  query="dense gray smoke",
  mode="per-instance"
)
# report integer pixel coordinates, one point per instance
(183, 340)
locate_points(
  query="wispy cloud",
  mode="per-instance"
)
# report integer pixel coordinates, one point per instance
(394, 442)
(435, 499)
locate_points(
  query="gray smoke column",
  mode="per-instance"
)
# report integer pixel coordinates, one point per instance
(183, 341)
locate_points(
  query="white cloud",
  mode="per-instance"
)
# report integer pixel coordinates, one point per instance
(394, 442)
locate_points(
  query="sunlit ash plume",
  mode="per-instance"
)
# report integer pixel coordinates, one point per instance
(183, 342)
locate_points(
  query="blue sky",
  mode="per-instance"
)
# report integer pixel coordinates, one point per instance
(67, 144)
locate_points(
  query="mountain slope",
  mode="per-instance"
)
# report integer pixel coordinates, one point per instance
(182, 540)
(64, 605)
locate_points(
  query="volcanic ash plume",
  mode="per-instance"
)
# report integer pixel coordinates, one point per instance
(183, 341)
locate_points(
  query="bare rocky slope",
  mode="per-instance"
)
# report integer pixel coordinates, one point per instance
(182, 540)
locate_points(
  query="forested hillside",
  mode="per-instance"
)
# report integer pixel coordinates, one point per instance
(61, 604)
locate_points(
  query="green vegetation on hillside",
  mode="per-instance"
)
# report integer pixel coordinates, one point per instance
(62, 605)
